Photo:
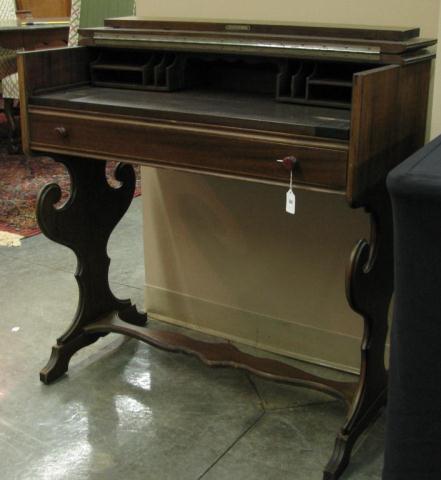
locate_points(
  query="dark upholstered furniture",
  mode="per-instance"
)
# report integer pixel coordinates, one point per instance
(413, 434)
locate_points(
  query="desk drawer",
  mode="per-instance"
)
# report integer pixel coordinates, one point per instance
(204, 148)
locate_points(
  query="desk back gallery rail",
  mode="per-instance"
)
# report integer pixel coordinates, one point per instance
(348, 103)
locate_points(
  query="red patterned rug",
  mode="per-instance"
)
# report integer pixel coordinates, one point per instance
(21, 178)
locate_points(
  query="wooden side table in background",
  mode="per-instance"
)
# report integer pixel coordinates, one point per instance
(49, 29)
(46, 8)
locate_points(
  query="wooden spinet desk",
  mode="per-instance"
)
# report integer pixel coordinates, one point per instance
(230, 99)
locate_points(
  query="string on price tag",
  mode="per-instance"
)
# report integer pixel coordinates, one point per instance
(289, 163)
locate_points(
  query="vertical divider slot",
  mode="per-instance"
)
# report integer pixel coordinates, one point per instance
(300, 79)
(321, 83)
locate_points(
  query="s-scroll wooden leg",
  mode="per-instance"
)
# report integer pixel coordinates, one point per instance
(84, 224)
(369, 287)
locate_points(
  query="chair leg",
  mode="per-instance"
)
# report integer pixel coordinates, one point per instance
(13, 128)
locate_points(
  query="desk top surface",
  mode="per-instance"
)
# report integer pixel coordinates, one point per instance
(224, 108)
(382, 45)
(38, 24)
(367, 32)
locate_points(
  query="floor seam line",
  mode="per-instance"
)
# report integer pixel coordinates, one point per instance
(304, 405)
(113, 282)
(230, 447)
(257, 392)
(64, 270)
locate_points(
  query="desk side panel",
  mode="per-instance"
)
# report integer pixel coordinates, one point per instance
(374, 115)
(47, 69)
(389, 110)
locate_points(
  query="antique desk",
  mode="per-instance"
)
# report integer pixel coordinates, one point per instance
(337, 106)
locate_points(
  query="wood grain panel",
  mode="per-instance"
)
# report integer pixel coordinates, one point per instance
(214, 149)
(54, 68)
(388, 123)
(374, 113)
(413, 104)
(223, 355)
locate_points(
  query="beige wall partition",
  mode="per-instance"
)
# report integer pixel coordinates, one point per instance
(376, 12)
(223, 257)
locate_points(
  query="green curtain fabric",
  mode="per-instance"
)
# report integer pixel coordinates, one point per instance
(93, 12)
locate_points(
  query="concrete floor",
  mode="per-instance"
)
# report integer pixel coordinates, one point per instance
(128, 411)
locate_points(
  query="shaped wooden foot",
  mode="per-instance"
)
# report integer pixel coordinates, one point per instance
(61, 355)
(84, 224)
(369, 286)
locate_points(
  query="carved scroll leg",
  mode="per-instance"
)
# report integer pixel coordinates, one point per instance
(369, 287)
(84, 224)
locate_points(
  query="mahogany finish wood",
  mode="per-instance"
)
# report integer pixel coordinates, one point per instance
(97, 207)
(194, 147)
(214, 120)
(55, 68)
(49, 69)
(369, 287)
(223, 355)
(388, 122)
(301, 29)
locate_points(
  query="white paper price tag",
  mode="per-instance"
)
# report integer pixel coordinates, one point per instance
(290, 202)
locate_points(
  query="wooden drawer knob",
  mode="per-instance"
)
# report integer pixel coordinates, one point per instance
(61, 132)
(289, 163)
